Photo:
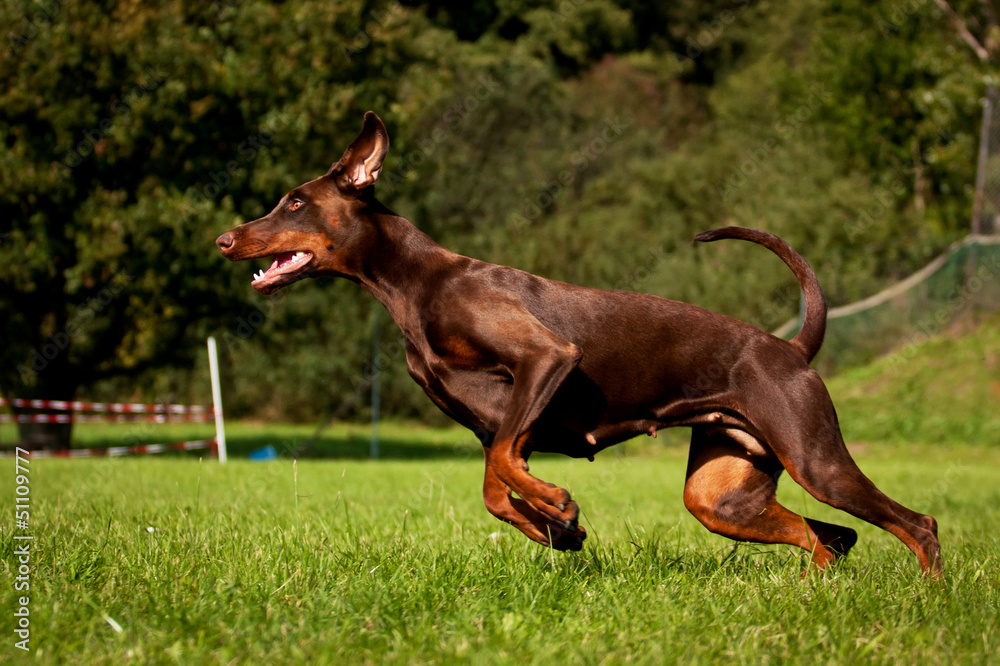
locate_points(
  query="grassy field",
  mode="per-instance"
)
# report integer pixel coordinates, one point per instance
(350, 561)
(943, 391)
(341, 560)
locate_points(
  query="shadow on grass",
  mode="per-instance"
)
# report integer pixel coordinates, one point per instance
(287, 445)
(353, 447)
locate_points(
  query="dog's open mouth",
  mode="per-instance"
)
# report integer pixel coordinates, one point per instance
(285, 268)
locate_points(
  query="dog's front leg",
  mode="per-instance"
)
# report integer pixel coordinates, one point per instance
(537, 374)
(500, 502)
(506, 337)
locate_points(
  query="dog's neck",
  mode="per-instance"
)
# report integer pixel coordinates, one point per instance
(399, 253)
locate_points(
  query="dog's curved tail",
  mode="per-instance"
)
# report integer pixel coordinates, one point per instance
(810, 338)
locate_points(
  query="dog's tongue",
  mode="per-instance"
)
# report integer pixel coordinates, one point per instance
(282, 263)
(277, 263)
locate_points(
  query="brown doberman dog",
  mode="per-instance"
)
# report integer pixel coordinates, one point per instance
(533, 364)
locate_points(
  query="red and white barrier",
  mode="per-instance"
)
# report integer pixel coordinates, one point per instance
(107, 407)
(103, 418)
(100, 412)
(123, 412)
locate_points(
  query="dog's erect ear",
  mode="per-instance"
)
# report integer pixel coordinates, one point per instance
(361, 163)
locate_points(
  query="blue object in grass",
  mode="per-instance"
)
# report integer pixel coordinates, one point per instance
(266, 453)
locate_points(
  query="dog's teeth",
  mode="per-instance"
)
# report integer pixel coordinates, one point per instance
(299, 254)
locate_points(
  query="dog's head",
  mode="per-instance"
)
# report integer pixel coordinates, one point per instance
(319, 228)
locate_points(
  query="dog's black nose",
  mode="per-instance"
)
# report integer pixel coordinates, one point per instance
(224, 242)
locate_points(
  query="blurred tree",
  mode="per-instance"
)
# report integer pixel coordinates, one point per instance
(586, 140)
(132, 135)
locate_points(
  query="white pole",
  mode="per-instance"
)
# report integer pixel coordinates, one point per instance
(220, 431)
(376, 382)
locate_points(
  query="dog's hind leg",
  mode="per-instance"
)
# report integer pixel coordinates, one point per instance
(817, 459)
(732, 492)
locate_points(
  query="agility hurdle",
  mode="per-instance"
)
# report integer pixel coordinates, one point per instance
(79, 411)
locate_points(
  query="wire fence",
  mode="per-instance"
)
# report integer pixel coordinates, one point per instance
(961, 285)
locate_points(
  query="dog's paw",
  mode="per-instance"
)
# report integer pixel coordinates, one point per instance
(561, 539)
(571, 514)
(564, 515)
(555, 504)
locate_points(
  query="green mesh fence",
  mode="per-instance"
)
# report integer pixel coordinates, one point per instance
(962, 285)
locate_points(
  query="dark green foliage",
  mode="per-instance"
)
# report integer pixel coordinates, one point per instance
(585, 140)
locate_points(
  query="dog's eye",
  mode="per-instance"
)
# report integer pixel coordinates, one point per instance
(295, 205)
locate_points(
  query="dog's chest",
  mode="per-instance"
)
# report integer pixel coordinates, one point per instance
(474, 397)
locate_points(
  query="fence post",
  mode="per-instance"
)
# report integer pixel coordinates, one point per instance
(982, 165)
(220, 431)
(376, 381)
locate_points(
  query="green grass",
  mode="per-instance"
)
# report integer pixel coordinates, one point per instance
(945, 390)
(397, 562)
(343, 560)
